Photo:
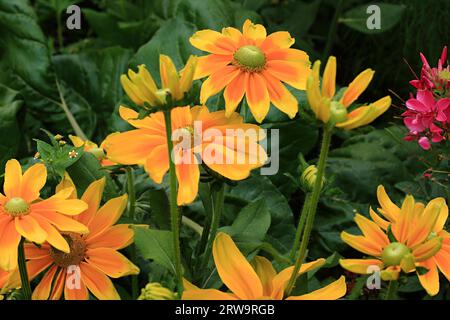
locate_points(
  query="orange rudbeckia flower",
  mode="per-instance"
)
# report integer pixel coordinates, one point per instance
(260, 281)
(93, 257)
(93, 148)
(326, 106)
(251, 63)
(213, 139)
(24, 214)
(420, 241)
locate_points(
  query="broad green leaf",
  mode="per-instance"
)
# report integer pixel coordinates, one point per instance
(155, 245)
(357, 18)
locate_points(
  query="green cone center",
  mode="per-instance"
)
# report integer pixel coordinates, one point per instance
(338, 113)
(250, 57)
(17, 207)
(444, 74)
(77, 251)
(393, 254)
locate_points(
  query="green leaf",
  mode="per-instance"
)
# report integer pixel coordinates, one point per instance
(390, 15)
(251, 223)
(9, 127)
(155, 245)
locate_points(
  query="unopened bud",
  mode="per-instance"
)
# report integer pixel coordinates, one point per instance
(308, 178)
(58, 137)
(155, 291)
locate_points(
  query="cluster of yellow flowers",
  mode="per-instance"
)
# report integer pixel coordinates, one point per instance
(78, 240)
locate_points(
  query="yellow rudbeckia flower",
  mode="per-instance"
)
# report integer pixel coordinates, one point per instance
(24, 214)
(141, 88)
(257, 281)
(420, 240)
(326, 107)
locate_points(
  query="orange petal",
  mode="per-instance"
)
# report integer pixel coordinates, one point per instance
(356, 87)
(213, 42)
(371, 230)
(157, 163)
(56, 204)
(9, 242)
(265, 272)
(234, 270)
(329, 78)
(13, 179)
(207, 294)
(108, 215)
(403, 225)
(33, 181)
(430, 280)
(217, 81)
(257, 96)
(76, 293)
(289, 54)
(58, 285)
(181, 117)
(30, 229)
(92, 196)
(254, 32)
(442, 259)
(234, 92)
(442, 216)
(360, 266)
(117, 237)
(280, 96)
(293, 73)
(210, 63)
(390, 210)
(36, 267)
(98, 283)
(277, 40)
(362, 244)
(333, 291)
(154, 124)
(383, 224)
(188, 176)
(54, 237)
(62, 222)
(42, 290)
(427, 249)
(425, 223)
(110, 262)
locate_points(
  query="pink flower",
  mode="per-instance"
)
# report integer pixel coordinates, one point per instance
(424, 142)
(433, 78)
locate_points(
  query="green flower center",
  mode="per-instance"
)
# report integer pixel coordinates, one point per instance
(77, 251)
(338, 113)
(444, 74)
(17, 207)
(394, 253)
(250, 58)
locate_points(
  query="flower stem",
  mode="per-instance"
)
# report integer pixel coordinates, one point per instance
(332, 31)
(327, 133)
(392, 290)
(301, 225)
(218, 196)
(174, 215)
(131, 214)
(26, 288)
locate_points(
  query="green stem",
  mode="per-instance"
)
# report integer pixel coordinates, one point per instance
(174, 214)
(392, 290)
(26, 288)
(332, 31)
(131, 215)
(192, 224)
(327, 133)
(205, 196)
(218, 202)
(301, 225)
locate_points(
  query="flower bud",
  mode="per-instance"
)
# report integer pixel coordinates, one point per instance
(308, 178)
(155, 291)
(394, 253)
(338, 113)
(98, 153)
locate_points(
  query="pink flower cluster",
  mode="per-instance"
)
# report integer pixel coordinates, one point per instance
(428, 114)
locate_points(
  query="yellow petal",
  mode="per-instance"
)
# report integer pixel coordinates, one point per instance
(427, 249)
(207, 294)
(356, 87)
(255, 32)
(371, 230)
(390, 273)
(403, 225)
(169, 77)
(390, 210)
(13, 179)
(329, 78)
(362, 244)
(187, 74)
(234, 270)
(430, 280)
(265, 272)
(333, 291)
(360, 266)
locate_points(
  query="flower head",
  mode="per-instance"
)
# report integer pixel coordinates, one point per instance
(417, 240)
(93, 258)
(251, 63)
(436, 79)
(258, 280)
(24, 214)
(327, 107)
(141, 88)
(227, 146)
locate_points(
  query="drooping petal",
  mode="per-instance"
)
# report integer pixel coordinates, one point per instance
(333, 291)
(356, 87)
(280, 96)
(110, 262)
(217, 81)
(30, 229)
(329, 78)
(234, 270)
(430, 280)
(360, 266)
(265, 272)
(9, 242)
(257, 96)
(117, 237)
(442, 258)
(153, 124)
(362, 244)
(98, 283)
(33, 181)
(107, 215)
(13, 179)
(383, 224)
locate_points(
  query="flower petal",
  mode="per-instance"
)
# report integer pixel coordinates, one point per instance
(117, 237)
(207, 294)
(234, 270)
(92, 196)
(430, 280)
(234, 92)
(280, 96)
(42, 290)
(80, 293)
(62, 222)
(362, 244)
(98, 283)
(255, 32)
(360, 266)
(217, 81)
(211, 63)
(188, 176)
(213, 42)
(371, 230)
(294, 73)
(257, 96)
(169, 76)
(329, 78)
(333, 291)
(13, 179)
(265, 272)
(390, 210)
(30, 229)
(9, 242)
(277, 40)
(427, 249)
(157, 163)
(108, 215)
(356, 87)
(33, 181)
(110, 262)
